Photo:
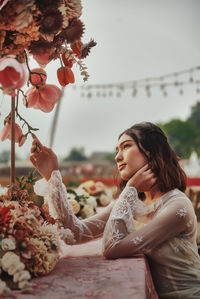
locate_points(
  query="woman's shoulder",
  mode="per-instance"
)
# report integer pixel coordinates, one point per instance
(179, 201)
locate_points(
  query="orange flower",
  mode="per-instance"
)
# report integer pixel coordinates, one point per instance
(65, 75)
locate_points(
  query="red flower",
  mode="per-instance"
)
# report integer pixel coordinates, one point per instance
(43, 98)
(13, 74)
(6, 133)
(5, 216)
(65, 75)
(77, 48)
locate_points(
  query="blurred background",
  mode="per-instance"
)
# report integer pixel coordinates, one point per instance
(145, 67)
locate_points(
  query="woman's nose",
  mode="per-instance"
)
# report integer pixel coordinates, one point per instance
(118, 157)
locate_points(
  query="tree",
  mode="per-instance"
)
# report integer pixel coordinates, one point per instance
(182, 136)
(194, 118)
(76, 154)
(5, 156)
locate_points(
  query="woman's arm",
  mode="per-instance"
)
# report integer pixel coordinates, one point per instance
(52, 188)
(119, 241)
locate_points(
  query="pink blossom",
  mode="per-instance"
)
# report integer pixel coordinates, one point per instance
(43, 98)
(43, 59)
(6, 134)
(13, 74)
(3, 3)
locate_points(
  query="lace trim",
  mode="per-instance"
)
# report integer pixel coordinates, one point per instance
(55, 192)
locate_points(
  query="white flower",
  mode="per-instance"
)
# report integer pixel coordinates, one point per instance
(67, 235)
(92, 201)
(21, 275)
(7, 244)
(3, 190)
(9, 259)
(4, 290)
(25, 285)
(15, 268)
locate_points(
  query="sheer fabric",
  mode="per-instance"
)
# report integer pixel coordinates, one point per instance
(55, 192)
(167, 235)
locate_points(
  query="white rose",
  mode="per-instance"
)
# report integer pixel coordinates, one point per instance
(8, 244)
(9, 259)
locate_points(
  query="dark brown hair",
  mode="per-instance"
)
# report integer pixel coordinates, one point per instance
(163, 161)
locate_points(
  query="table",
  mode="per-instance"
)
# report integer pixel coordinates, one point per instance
(84, 273)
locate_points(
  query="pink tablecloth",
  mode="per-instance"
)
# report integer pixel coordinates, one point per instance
(83, 272)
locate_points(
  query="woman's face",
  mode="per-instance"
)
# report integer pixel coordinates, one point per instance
(128, 157)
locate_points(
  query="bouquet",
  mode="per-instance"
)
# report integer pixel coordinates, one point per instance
(29, 239)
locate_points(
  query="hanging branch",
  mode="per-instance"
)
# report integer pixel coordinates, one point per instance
(30, 128)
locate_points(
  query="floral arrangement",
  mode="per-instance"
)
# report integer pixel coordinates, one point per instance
(29, 239)
(46, 30)
(87, 197)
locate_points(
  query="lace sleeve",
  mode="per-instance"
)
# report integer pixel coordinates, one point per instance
(55, 192)
(120, 238)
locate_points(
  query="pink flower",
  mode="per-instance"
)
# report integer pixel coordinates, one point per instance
(6, 134)
(3, 3)
(13, 74)
(43, 59)
(43, 98)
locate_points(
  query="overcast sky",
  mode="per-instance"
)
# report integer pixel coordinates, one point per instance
(135, 39)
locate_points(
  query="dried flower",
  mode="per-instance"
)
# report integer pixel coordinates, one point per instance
(51, 21)
(74, 31)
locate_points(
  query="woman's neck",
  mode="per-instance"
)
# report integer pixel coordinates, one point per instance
(153, 195)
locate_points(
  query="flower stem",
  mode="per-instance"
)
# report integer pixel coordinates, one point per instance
(12, 168)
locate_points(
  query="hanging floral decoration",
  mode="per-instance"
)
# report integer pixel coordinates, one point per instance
(46, 30)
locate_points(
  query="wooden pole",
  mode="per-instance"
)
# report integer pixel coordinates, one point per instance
(12, 167)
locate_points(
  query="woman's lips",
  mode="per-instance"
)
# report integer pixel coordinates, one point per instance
(122, 166)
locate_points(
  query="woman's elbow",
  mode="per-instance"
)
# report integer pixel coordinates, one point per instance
(109, 253)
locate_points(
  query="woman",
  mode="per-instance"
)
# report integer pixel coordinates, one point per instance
(163, 225)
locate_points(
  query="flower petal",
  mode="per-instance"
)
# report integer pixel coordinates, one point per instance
(32, 97)
(50, 93)
(44, 105)
(5, 132)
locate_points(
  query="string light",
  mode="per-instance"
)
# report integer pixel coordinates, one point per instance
(175, 79)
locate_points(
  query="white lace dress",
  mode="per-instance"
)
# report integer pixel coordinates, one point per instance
(167, 235)
(165, 231)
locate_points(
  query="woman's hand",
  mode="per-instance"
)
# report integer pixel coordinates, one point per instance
(143, 180)
(43, 158)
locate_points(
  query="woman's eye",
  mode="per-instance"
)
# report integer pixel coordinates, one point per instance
(126, 145)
